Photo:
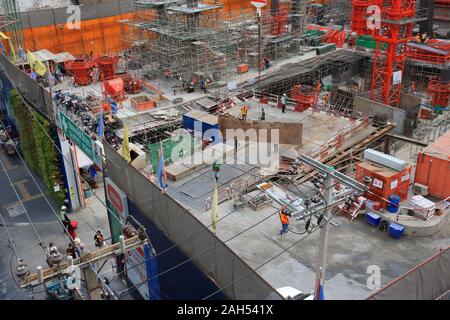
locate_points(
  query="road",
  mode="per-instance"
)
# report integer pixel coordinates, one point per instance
(25, 239)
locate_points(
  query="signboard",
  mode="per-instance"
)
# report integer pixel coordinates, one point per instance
(77, 135)
(92, 149)
(117, 203)
(140, 265)
(397, 77)
(394, 184)
(377, 183)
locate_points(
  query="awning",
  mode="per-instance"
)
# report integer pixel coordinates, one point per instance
(83, 161)
(63, 57)
(44, 55)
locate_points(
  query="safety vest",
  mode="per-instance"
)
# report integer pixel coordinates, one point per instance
(284, 218)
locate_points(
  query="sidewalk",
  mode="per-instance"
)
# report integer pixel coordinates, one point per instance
(90, 219)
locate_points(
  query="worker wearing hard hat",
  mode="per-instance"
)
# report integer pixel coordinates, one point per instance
(284, 217)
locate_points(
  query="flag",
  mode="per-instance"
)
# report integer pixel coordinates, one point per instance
(126, 145)
(3, 36)
(100, 123)
(319, 295)
(36, 65)
(214, 208)
(161, 171)
(2, 48)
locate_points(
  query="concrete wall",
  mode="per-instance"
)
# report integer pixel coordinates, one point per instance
(179, 224)
(289, 133)
(33, 5)
(370, 107)
(58, 15)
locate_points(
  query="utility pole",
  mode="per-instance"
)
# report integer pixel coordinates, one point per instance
(323, 245)
(331, 176)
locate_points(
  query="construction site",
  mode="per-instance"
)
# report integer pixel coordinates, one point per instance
(276, 149)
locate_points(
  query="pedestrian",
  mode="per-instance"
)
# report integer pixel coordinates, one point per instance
(70, 251)
(62, 212)
(284, 214)
(99, 239)
(53, 249)
(79, 247)
(66, 222)
(283, 103)
(72, 226)
(216, 169)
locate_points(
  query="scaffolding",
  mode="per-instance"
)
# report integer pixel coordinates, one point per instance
(11, 22)
(185, 40)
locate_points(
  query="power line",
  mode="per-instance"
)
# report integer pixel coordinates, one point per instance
(59, 220)
(41, 243)
(203, 230)
(62, 155)
(196, 256)
(10, 239)
(260, 266)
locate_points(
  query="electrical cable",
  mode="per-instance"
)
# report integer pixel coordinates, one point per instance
(62, 155)
(260, 266)
(41, 243)
(56, 215)
(10, 239)
(196, 256)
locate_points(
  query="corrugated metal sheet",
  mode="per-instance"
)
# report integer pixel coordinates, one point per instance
(385, 159)
(45, 55)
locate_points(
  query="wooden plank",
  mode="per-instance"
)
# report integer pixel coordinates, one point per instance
(84, 261)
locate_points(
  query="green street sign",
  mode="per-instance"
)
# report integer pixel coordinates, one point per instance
(77, 135)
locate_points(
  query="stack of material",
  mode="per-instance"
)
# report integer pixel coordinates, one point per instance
(421, 203)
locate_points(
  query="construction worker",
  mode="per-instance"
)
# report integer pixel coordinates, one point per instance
(284, 217)
(413, 86)
(418, 37)
(263, 114)
(203, 85)
(216, 169)
(283, 103)
(244, 112)
(424, 37)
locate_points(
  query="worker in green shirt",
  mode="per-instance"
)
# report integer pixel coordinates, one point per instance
(216, 169)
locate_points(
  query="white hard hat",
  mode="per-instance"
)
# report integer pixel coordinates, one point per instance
(77, 241)
(284, 94)
(63, 208)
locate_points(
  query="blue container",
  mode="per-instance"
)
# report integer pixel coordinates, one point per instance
(373, 219)
(394, 203)
(396, 230)
(188, 122)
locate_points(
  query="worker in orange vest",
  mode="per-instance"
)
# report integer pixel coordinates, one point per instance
(284, 214)
(244, 111)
